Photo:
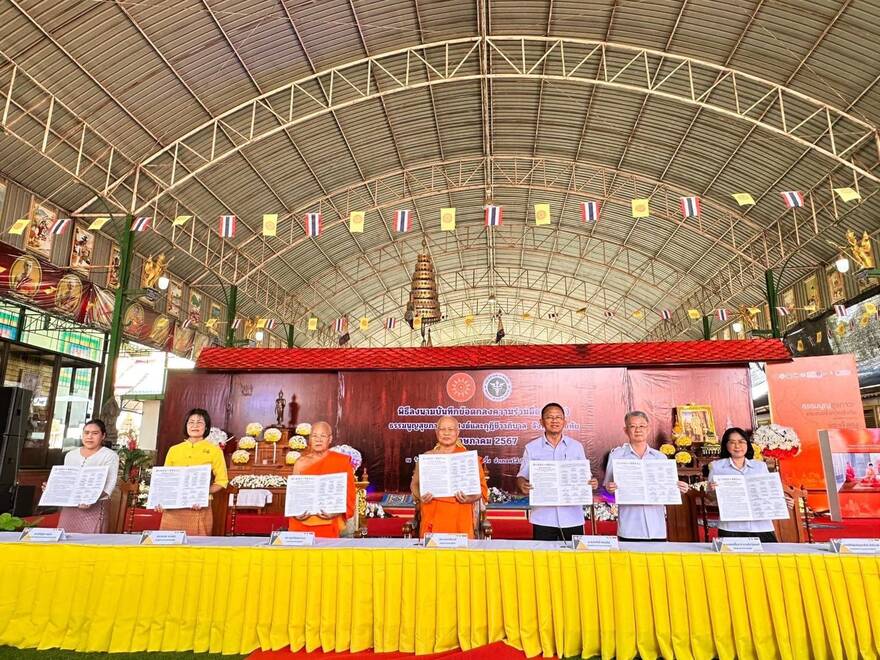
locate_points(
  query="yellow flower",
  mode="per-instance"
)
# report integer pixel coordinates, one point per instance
(667, 449)
(247, 442)
(683, 441)
(272, 435)
(758, 455)
(253, 429)
(292, 457)
(240, 457)
(683, 458)
(297, 442)
(303, 429)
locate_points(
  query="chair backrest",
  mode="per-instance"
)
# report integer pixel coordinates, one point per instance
(795, 529)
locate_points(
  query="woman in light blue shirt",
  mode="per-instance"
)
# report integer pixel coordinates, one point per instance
(737, 458)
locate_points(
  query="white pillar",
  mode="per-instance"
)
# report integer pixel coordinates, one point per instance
(149, 425)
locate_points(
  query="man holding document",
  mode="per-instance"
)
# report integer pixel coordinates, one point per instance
(643, 481)
(555, 474)
(321, 492)
(448, 483)
(749, 496)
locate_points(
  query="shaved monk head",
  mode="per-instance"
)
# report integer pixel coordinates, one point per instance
(321, 437)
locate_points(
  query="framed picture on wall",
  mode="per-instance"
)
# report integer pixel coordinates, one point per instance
(81, 249)
(214, 317)
(175, 298)
(812, 292)
(113, 268)
(787, 300)
(39, 234)
(836, 287)
(195, 307)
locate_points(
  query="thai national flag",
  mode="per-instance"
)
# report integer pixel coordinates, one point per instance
(690, 207)
(793, 199)
(403, 220)
(60, 225)
(236, 324)
(314, 224)
(270, 324)
(840, 310)
(782, 310)
(186, 323)
(590, 211)
(493, 215)
(228, 225)
(666, 314)
(340, 325)
(390, 323)
(609, 314)
(140, 223)
(721, 314)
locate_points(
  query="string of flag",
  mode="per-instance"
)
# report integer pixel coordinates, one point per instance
(227, 227)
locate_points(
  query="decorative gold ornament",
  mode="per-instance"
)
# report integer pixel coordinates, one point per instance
(423, 297)
(860, 250)
(153, 270)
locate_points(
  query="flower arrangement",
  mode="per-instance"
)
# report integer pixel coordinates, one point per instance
(352, 453)
(253, 429)
(247, 442)
(375, 510)
(667, 449)
(240, 457)
(218, 437)
(297, 442)
(292, 457)
(498, 496)
(683, 458)
(759, 455)
(603, 511)
(272, 435)
(303, 429)
(683, 440)
(132, 459)
(258, 481)
(777, 441)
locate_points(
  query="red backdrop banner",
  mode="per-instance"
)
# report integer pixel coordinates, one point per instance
(810, 394)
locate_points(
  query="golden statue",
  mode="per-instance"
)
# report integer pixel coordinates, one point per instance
(747, 317)
(250, 328)
(153, 270)
(860, 250)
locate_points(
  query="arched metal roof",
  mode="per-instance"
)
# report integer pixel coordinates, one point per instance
(207, 107)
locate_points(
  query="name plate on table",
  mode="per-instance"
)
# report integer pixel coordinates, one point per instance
(292, 539)
(41, 535)
(159, 537)
(446, 540)
(595, 543)
(737, 544)
(856, 546)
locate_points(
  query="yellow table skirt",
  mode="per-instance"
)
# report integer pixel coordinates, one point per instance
(622, 604)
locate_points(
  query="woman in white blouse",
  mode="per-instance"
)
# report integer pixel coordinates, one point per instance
(92, 518)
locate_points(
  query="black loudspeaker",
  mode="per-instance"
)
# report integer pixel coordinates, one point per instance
(17, 500)
(15, 414)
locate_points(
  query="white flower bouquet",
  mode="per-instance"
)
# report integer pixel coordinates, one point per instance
(247, 442)
(303, 428)
(218, 436)
(272, 435)
(292, 457)
(240, 457)
(297, 442)
(777, 441)
(352, 453)
(253, 429)
(258, 481)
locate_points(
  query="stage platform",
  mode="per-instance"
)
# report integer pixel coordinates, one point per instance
(236, 595)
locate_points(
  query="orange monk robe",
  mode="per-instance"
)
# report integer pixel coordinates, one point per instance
(447, 515)
(333, 462)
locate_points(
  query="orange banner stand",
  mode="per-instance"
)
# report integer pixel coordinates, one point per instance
(810, 394)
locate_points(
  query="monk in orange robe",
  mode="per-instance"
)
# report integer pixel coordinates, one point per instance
(453, 515)
(318, 459)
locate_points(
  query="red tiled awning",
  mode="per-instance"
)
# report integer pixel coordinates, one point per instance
(495, 357)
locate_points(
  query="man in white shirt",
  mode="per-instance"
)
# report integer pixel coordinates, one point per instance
(553, 523)
(638, 522)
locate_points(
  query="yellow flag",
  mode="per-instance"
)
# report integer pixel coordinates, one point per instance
(638, 314)
(744, 199)
(179, 221)
(261, 323)
(847, 194)
(270, 224)
(469, 320)
(542, 214)
(313, 323)
(800, 345)
(364, 324)
(526, 316)
(754, 311)
(641, 208)
(356, 222)
(98, 223)
(447, 219)
(417, 322)
(18, 226)
(694, 314)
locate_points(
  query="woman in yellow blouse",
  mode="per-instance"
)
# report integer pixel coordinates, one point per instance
(196, 450)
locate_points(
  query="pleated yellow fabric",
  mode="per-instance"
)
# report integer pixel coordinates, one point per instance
(547, 603)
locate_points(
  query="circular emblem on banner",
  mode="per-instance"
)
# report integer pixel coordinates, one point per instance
(497, 387)
(25, 276)
(461, 387)
(68, 297)
(161, 329)
(133, 321)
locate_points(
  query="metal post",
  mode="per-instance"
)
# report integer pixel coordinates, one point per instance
(126, 245)
(290, 335)
(707, 327)
(771, 302)
(231, 302)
